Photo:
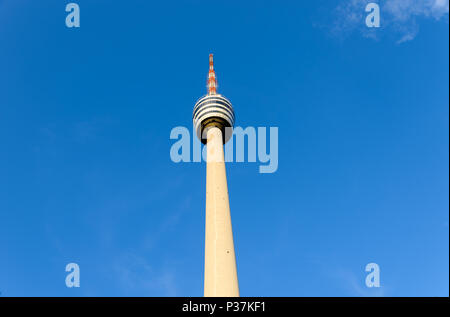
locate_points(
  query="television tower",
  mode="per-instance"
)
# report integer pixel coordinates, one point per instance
(213, 120)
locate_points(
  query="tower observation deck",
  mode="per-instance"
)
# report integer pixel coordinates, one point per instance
(213, 108)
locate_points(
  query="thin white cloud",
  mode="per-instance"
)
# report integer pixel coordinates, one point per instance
(136, 275)
(354, 284)
(400, 17)
(404, 10)
(406, 38)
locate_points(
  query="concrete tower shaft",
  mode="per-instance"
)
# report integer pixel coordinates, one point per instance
(220, 260)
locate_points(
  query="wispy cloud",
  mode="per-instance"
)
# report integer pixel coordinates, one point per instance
(405, 10)
(136, 275)
(354, 284)
(138, 271)
(398, 17)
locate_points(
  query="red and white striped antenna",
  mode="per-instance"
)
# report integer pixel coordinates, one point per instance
(212, 81)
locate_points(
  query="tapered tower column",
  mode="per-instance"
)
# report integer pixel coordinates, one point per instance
(213, 120)
(220, 261)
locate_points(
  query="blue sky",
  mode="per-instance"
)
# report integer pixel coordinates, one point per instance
(86, 175)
